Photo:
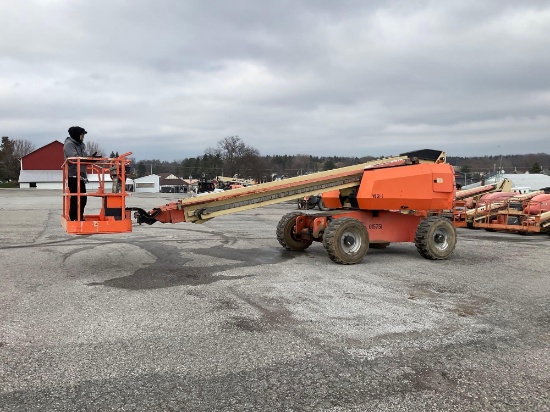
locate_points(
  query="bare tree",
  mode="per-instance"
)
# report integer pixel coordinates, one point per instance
(94, 147)
(300, 164)
(237, 157)
(22, 148)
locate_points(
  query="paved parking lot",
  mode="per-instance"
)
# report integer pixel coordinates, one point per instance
(219, 317)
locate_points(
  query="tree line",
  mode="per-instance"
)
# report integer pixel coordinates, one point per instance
(489, 165)
(233, 157)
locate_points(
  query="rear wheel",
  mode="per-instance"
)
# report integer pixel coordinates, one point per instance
(346, 240)
(286, 233)
(435, 238)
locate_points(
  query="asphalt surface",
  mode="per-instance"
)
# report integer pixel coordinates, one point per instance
(219, 317)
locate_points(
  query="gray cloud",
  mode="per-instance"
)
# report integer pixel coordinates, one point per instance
(167, 79)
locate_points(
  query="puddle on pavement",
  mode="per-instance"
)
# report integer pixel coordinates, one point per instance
(171, 267)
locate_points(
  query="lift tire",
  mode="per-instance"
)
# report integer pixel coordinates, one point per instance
(346, 240)
(379, 245)
(286, 235)
(435, 238)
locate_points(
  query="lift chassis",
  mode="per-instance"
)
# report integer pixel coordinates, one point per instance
(392, 204)
(347, 236)
(389, 200)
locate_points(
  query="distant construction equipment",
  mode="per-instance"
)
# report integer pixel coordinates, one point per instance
(497, 208)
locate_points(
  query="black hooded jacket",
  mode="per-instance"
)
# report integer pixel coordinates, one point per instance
(73, 147)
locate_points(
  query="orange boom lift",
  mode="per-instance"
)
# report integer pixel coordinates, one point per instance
(395, 199)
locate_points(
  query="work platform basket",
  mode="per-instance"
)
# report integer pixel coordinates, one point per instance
(110, 188)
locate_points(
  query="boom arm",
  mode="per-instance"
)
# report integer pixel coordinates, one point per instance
(201, 208)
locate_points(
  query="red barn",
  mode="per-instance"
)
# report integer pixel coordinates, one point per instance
(49, 157)
(42, 168)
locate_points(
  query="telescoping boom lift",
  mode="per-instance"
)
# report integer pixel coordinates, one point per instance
(525, 213)
(394, 199)
(466, 200)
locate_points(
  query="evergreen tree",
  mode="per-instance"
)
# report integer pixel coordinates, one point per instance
(535, 168)
(465, 169)
(9, 164)
(329, 165)
(141, 169)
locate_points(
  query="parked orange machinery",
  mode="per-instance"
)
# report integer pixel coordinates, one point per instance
(466, 199)
(526, 213)
(397, 199)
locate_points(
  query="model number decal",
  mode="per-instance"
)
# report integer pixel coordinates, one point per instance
(377, 195)
(375, 226)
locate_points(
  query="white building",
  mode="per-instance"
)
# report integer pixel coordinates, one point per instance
(521, 183)
(147, 184)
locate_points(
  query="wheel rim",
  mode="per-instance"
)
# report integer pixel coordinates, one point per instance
(441, 239)
(350, 241)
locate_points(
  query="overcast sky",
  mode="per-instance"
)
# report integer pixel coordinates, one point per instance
(168, 79)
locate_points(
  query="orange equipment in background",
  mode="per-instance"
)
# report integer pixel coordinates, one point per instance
(113, 216)
(525, 213)
(466, 200)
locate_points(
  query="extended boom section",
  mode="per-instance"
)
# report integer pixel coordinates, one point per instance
(204, 207)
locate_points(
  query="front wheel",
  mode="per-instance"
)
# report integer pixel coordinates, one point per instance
(346, 240)
(435, 238)
(286, 233)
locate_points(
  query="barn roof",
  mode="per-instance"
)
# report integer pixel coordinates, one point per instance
(40, 148)
(169, 179)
